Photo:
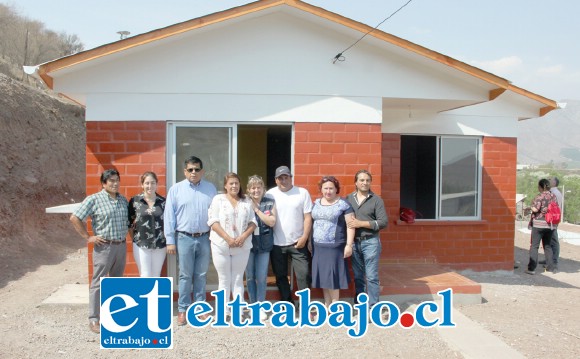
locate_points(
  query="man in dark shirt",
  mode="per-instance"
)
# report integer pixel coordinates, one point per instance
(370, 218)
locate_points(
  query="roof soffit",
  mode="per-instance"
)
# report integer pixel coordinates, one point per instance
(337, 21)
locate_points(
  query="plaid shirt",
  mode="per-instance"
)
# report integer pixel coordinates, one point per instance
(109, 217)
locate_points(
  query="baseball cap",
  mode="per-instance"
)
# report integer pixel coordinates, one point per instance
(282, 170)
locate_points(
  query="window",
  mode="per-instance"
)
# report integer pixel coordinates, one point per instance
(441, 176)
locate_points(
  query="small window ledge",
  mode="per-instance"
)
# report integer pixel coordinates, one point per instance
(441, 223)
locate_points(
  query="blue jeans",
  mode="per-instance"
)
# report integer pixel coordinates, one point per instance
(193, 254)
(365, 265)
(256, 275)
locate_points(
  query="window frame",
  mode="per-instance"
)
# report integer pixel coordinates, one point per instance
(439, 143)
(478, 171)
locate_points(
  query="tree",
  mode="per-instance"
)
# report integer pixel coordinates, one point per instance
(527, 184)
(28, 42)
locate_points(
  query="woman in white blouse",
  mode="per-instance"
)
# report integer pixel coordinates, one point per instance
(232, 221)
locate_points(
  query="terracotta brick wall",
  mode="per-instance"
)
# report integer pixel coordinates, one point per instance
(479, 245)
(132, 148)
(336, 149)
(341, 150)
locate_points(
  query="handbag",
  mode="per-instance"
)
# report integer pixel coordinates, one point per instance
(407, 215)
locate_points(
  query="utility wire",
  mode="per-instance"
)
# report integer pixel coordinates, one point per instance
(339, 56)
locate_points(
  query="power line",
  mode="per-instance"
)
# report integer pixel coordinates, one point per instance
(339, 56)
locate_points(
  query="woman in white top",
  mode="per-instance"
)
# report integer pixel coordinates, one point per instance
(232, 221)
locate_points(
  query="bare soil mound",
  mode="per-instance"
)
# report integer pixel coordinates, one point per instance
(42, 164)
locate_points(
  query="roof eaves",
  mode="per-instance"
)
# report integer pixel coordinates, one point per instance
(549, 104)
(501, 83)
(154, 35)
(256, 6)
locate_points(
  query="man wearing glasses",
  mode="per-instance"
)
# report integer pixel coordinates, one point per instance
(108, 210)
(185, 217)
(291, 232)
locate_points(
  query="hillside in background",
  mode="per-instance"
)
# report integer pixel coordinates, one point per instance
(552, 138)
(42, 164)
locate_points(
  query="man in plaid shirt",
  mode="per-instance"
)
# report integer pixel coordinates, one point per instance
(108, 210)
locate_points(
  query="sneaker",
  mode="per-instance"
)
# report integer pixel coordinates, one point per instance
(313, 316)
(385, 314)
(204, 316)
(263, 316)
(530, 272)
(95, 326)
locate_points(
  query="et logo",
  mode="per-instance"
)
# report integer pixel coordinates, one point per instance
(136, 313)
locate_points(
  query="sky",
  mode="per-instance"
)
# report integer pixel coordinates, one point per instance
(532, 43)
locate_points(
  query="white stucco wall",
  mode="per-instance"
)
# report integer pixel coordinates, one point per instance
(276, 66)
(273, 67)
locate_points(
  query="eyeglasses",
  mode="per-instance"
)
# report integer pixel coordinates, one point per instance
(191, 169)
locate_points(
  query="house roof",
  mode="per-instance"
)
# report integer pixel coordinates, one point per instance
(500, 84)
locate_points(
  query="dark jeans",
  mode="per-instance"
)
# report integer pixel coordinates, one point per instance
(555, 243)
(300, 263)
(543, 235)
(365, 266)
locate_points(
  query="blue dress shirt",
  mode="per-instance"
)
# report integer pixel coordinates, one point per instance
(186, 208)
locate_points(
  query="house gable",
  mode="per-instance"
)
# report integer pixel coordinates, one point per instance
(273, 67)
(340, 23)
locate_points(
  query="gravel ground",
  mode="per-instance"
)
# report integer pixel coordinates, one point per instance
(536, 315)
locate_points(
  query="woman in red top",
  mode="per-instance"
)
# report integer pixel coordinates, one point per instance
(541, 230)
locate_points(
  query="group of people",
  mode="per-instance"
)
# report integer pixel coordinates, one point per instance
(542, 231)
(244, 230)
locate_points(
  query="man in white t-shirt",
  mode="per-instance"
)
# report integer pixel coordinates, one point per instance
(291, 233)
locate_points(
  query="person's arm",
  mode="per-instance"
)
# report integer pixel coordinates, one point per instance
(216, 227)
(245, 235)
(268, 219)
(214, 221)
(381, 215)
(536, 204)
(82, 230)
(307, 228)
(169, 221)
(349, 236)
(250, 222)
(377, 224)
(132, 216)
(354, 223)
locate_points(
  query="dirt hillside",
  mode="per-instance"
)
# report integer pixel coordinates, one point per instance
(42, 164)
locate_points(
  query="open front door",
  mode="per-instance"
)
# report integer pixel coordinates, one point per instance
(246, 149)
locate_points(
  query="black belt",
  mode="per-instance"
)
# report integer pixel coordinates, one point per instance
(364, 237)
(194, 235)
(106, 241)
